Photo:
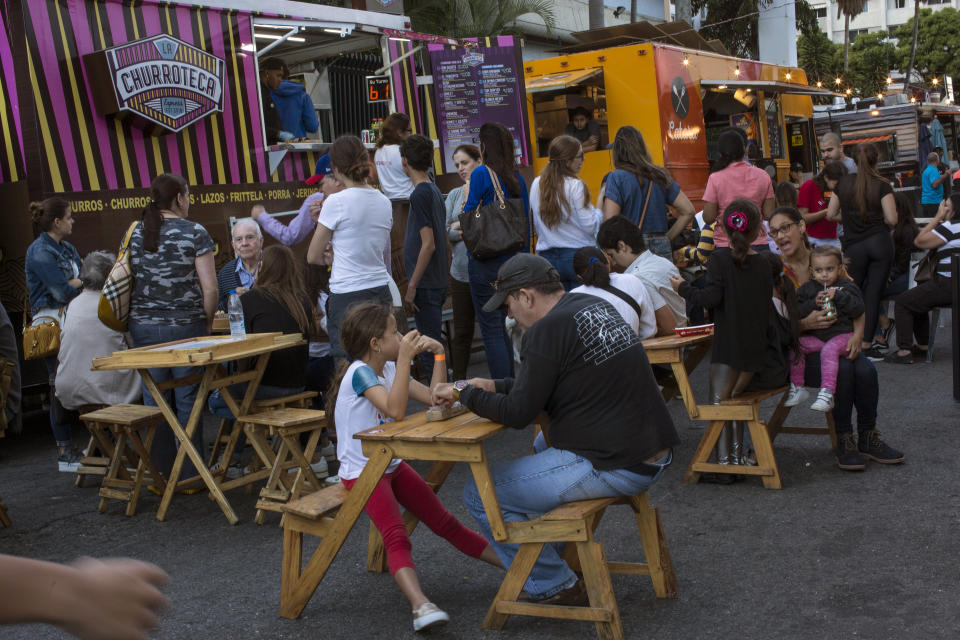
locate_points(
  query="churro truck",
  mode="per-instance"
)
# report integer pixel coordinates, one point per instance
(680, 91)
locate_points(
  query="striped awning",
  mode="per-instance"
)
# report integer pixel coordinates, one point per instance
(883, 138)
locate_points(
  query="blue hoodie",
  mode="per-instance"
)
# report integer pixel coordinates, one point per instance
(295, 108)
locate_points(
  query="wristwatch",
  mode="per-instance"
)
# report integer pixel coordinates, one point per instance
(459, 386)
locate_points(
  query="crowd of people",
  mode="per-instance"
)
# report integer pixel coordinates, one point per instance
(795, 278)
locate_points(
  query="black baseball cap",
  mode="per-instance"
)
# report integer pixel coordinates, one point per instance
(522, 270)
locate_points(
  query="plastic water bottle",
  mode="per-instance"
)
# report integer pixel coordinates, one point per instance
(235, 314)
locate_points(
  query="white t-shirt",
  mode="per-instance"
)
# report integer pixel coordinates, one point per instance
(646, 325)
(354, 413)
(579, 226)
(360, 220)
(949, 232)
(655, 272)
(393, 181)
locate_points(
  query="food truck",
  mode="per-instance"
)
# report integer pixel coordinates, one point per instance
(102, 96)
(681, 92)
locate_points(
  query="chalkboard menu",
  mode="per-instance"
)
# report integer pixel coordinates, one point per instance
(474, 85)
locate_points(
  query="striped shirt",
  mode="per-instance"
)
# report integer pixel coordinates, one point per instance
(949, 232)
(699, 254)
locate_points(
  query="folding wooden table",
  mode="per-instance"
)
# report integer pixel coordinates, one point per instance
(210, 353)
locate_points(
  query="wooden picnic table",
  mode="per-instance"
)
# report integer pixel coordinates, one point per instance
(211, 353)
(683, 354)
(457, 439)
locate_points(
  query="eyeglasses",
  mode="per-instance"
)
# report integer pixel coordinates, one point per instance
(251, 237)
(782, 230)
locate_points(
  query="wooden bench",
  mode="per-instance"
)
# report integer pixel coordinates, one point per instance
(313, 514)
(225, 443)
(94, 461)
(746, 408)
(116, 430)
(575, 524)
(287, 423)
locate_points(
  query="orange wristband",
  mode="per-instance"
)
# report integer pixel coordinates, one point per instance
(439, 357)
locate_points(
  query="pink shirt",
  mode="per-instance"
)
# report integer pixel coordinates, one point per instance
(739, 180)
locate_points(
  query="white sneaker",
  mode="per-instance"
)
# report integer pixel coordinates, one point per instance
(824, 401)
(796, 396)
(427, 616)
(331, 480)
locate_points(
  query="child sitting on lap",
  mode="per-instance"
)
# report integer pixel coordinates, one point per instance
(829, 288)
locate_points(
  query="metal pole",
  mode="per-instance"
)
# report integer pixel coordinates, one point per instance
(955, 324)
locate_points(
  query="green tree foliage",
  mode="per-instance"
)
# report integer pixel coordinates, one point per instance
(475, 18)
(872, 56)
(819, 57)
(739, 34)
(938, 44)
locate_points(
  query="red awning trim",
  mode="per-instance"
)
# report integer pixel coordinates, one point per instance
(871, 139)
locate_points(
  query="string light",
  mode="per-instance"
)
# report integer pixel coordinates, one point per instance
(879, 96)
(934, 81)
(789, 75)
(912, 99)
(849, 91)
(686, 60)
(838, 81)
(819, 84)
(737, 72)
(889, 80)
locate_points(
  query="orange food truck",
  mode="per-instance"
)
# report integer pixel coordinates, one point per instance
(680, 98)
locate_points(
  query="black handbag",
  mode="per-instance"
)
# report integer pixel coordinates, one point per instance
(926, 267)
(496, 228)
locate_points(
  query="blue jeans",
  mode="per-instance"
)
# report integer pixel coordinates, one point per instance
(429, 321)
(658, 244)
(181, 399)
(562, 260)
(62, 433)
(337, 305)
(857, 386)
(533, 485)
(496, 342)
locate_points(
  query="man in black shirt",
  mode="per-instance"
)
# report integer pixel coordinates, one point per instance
(609, 431)
(271, 75)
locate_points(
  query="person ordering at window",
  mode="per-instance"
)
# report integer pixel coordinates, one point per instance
(584, 128)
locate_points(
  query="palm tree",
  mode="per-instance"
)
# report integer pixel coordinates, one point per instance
(848, 8)
(475, 18)
(913, 46)
(595, 13)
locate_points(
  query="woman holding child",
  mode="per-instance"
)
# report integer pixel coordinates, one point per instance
(857, 384)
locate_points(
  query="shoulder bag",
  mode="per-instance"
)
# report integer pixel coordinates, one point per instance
(926, 267)
(42, 339)
(114, 307)
(623, 295)
(646, 203)
(496, 228)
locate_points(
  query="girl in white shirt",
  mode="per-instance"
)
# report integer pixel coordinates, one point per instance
(357, 222)
(563, 216)
(593, 270)
(393, 181)
(372, 390)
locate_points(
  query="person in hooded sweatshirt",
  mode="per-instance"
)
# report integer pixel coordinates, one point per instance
(297, 115)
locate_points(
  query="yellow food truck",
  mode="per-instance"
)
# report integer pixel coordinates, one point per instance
(680, 99)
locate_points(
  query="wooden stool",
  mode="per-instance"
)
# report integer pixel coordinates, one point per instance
(575, 523)
(311, 514)
(95, 461)
(747, 408)
(4, 518)
(123, 422)
(225, 443)
(288, 424)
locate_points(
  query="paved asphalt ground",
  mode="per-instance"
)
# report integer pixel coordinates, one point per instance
(833, 555)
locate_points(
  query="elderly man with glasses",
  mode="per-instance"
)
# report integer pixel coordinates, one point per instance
(240, 273)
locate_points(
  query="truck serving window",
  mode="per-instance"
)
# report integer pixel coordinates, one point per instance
(571, 102)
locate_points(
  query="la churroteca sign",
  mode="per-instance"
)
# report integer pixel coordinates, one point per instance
(163, 83)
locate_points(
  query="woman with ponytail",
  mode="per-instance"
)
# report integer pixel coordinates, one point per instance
(627, 294)
(357, 222)
(563, 217)
(53, 279)
(738, 290)
(174, 297)
(864, 203)
(627, 188)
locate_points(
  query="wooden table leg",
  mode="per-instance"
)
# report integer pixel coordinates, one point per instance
(488, 495)
(186, 448)
(292, 603)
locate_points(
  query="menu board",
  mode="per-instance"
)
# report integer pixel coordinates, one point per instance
(474, 85)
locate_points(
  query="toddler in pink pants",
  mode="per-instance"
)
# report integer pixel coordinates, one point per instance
(838, 297)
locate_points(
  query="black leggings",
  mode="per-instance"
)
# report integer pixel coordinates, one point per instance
(870, 261)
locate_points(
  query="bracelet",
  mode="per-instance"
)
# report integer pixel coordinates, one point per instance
(440, 357)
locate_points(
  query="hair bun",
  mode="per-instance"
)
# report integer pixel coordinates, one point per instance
(36, 211)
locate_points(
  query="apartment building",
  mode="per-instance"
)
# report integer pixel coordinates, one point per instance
(877, 15)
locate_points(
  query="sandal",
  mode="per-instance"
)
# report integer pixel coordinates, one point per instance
(896, 358)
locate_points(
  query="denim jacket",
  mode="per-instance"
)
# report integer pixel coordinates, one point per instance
(49, 266)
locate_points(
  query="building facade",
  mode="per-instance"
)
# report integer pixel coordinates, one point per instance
(877, 15)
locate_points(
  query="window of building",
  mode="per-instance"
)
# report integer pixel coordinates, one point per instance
(821, 12)
(855, 32)
(938, 1)
(899, 4)
(866, 7)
